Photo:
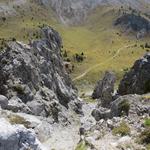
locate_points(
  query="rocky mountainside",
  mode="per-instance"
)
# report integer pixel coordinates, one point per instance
(33, 77)
(40, 108)
(137, 80)
(36, 92)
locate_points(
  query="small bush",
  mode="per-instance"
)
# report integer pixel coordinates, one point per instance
(145, 136)
(148, 146)
(147, 122)
(124, 108)
(14, 39)
(19, 89)
(3, 19)
(15, 119)
(81, 146)
(123, 129)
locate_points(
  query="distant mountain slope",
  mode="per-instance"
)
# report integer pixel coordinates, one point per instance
(71, 11)
(75, 11)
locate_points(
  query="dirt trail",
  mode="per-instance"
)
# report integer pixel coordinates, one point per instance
(67, 137)
(97, 65)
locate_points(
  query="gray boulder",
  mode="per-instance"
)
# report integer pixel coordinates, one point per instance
(101, 113)
(104, 89)
(3, 102)
(137, 80)
(15, 104)
(130, 105)
(35, 75)
(127, 105)
(17, 137)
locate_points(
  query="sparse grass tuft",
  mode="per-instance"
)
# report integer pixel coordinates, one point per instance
(147, 122)
(19, 89)
(148, 147)
(144, 137)
(123, 129)
(81, 146)
(124, 108)
(15, 119)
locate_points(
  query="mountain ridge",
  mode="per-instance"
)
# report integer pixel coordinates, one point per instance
(73, 11)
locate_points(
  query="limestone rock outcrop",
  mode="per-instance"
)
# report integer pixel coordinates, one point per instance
(17, 137)
(33, 77)
(137, 80)
(104, 89)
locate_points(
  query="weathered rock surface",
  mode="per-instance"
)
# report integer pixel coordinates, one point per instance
(104, 89)
(33, 77)
(128, 105)
(137, 80)
(17, 137)
(3, 102)
(101, 113)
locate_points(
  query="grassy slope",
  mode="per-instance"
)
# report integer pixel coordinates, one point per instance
(97, 38)
(99, 41)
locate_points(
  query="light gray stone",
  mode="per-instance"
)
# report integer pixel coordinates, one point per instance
(104, 89)
(17, 137)
(3, 102)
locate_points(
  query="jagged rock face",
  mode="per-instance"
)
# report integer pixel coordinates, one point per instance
(104, 89)
(17, 137)
(137, 80)
(33, 77)
(136, 23)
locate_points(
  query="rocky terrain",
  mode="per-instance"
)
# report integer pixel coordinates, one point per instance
(34, 81)
(33, 77)
(40, 107)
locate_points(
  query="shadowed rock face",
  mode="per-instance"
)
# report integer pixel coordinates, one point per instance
(137, 80)
(136, 23)
(104, 89)
(33, 77)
